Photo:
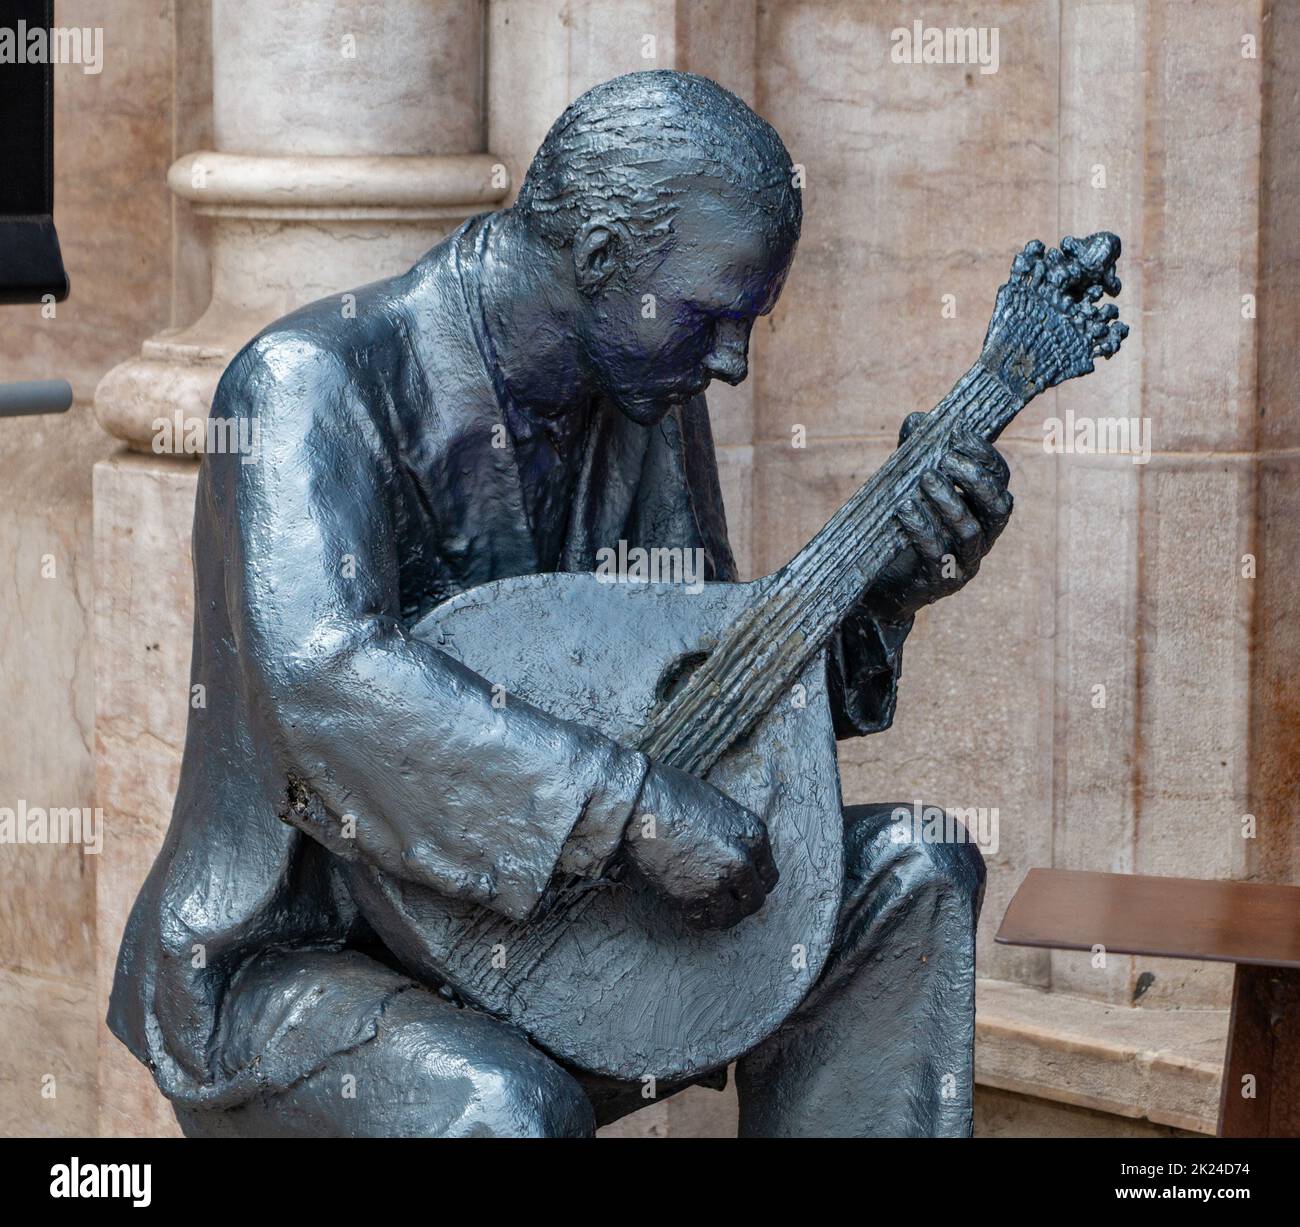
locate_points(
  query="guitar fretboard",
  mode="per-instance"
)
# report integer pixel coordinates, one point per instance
(762, 655)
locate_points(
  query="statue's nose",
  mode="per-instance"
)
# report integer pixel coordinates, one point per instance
(729, 358)
(728, 365)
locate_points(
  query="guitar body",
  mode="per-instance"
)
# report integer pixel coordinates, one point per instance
(617, 983)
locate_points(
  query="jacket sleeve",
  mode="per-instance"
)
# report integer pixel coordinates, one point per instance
(392, 752)
(864, 662)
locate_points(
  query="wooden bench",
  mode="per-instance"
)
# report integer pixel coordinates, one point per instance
(1254, 925)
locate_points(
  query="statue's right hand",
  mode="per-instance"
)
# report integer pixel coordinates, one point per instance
(700, 849)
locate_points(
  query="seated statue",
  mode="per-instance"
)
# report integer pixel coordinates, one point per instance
(400, 896)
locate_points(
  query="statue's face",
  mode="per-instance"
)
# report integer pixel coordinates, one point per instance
(659, 334)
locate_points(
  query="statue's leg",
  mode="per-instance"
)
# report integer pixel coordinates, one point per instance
(432, 1070)
(884, 1044)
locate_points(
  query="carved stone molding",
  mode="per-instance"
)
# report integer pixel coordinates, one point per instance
(286, 231)
(379, 167)
(406, 188)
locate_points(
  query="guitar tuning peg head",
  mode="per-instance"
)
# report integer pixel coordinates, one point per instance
(1108, 347)
(1046, 326)
(1028, 257)
(1096, 256)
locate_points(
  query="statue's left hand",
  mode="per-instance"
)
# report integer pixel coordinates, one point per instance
(952, 520)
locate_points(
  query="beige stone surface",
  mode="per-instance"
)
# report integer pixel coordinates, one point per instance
(1278, 347)
(46, 718)
(1273, 773)
(192, 129)
(1004, 1114)
(922, 181)
(47, 1059)
(113, 143)
(348, 76)
(363, 171)
(1159, 1065)
(1201, 219)
(144, 609)
(1096, 707)
(697, 1112)
(649, 1122)
(1095, 671)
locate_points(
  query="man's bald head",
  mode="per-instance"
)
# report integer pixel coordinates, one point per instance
(656, 224)
(633, 150)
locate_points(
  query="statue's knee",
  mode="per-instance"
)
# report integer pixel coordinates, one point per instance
(958, 864)
(479, 1078)
(927, 843)
(538, 1102)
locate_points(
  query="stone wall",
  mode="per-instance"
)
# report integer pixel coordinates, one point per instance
(1151, 119)
(121, 235)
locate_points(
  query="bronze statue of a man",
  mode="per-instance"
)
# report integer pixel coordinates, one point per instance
(511, 407)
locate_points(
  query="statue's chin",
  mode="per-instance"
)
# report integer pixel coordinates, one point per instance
(649, 409)
(645, 411)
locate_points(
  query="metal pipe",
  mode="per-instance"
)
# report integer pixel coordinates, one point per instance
(35, 396)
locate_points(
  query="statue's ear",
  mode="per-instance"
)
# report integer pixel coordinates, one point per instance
(597, 248)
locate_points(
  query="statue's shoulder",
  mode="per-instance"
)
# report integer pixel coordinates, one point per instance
(346, 341)
(280, 358)
(327, 347)
(325, 336)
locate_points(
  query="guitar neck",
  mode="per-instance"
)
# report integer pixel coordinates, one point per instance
(1046, 328)
(764, 653)
(831, 573)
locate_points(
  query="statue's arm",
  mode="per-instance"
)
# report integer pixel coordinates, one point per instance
(864, 661)
(392, 752)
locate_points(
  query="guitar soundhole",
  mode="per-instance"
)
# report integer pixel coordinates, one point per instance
(677, 675)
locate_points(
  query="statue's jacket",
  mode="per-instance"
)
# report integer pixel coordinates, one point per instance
(320, 730)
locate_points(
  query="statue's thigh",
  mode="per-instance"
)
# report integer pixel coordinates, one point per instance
(433, 1070)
